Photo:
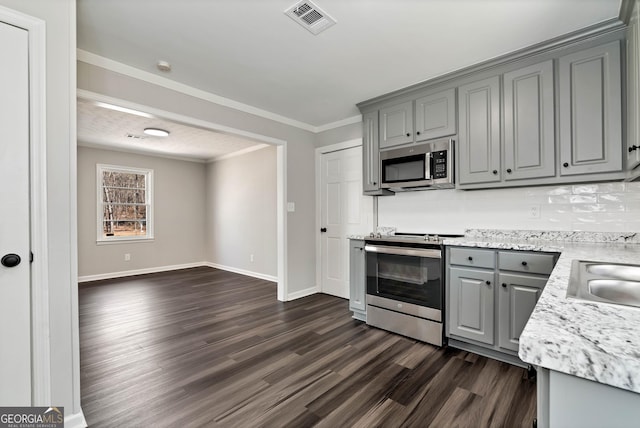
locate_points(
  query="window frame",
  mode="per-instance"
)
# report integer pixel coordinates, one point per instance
(100, 204)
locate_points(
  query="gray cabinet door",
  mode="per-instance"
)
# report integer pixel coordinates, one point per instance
(471, 304)
(590, 111)
(396, 124)
(479, 131)
(436, 115)
(529, 124)
(370, 153)
(357, 280)
(517, 296)
(633, 89)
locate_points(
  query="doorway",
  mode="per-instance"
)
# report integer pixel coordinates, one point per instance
(280, 148)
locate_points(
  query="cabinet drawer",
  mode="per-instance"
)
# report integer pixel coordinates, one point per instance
(519, 261)
(472, 257)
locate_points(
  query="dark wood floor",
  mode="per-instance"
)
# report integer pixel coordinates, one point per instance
(204, 347)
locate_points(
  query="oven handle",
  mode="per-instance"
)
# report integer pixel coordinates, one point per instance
(403, 251)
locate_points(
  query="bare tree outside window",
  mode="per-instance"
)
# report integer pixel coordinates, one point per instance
(124, 203)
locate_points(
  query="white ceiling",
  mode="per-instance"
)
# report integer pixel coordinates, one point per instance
(100, 126)
(251, 52)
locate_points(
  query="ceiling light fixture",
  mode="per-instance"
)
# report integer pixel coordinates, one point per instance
(156, 132)
(123, 109)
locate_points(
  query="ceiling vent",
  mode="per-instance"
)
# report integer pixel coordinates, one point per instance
(310, 16)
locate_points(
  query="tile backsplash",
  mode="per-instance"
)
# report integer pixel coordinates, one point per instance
(600, 207)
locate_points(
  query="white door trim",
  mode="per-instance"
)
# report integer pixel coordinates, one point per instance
(40, 351)
(319, 152)
(281, 160)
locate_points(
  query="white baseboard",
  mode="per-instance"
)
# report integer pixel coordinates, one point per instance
(75, 420)
(89, 278)
(302, 293)
(258, 275)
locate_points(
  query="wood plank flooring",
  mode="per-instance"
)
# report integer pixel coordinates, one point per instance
(205, 347)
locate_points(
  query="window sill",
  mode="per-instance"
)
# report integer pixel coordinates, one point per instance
(124, 241)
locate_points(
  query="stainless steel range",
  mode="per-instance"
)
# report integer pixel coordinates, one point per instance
(405, 285)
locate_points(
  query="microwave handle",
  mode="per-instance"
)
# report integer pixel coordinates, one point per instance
(428, 166)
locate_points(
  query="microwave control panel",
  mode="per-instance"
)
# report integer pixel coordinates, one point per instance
(439, 164)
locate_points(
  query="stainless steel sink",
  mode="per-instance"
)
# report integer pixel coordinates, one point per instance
(605, 282)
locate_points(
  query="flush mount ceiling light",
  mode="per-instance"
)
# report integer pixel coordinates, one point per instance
(156, 132)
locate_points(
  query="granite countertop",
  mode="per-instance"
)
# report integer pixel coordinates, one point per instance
(595, 341)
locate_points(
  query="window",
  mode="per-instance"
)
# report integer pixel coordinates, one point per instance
(125, 210)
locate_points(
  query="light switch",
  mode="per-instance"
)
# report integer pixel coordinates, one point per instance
(291, 207)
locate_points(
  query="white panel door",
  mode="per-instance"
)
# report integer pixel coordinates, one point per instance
(15, 315)
(344, 211)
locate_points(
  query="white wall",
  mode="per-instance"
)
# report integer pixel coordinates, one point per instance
(59, 16)
(241, 212)
(607, 207)
(179, 215)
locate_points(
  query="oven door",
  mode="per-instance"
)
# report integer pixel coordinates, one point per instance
(411, 275)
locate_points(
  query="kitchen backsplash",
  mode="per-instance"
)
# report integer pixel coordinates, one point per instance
(602, 207)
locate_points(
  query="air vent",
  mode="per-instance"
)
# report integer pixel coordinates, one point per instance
(310, 16)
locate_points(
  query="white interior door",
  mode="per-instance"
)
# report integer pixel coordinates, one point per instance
(15, 314)
(344, 211)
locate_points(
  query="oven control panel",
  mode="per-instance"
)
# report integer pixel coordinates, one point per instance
(439, 164)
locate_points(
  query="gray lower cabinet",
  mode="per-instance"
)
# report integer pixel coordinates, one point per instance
(517, 296)
(490, 296)
(357, 280)
(471, 304)
(590, 111)
(479, 133)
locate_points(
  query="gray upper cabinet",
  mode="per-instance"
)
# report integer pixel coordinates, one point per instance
(479, 133)
(396, 124)
(517, 297)
(590, 111)
(471, 304)
(633, 89)
(436, 115)
(370, 154)
(529, 125)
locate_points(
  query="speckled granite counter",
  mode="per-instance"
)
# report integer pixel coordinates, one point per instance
(594, 341)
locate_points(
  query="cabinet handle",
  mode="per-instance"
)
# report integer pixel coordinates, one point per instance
(524, 263)
(470, 258)
(418, 133)
(566, 164)
(509, 170)
(504, 285)
(634, 147)
(495, 171)
(375, 183)
(488, 282)
(408, 134)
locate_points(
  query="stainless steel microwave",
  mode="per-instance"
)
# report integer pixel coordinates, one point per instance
(421, 166)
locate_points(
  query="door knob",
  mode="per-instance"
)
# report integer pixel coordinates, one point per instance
(323, 230)
(10, 260)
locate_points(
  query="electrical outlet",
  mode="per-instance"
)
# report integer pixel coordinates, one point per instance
(127, 257)
(534, 211)
(251, 258)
